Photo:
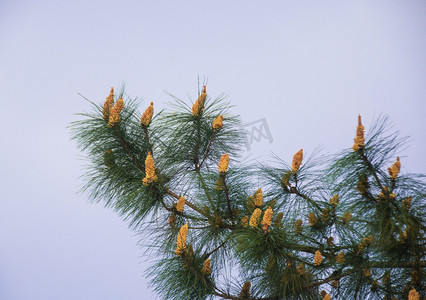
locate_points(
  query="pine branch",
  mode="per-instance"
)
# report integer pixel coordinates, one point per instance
(294, 190)
(164, 205)
(403, 265)
(371, 169)
(206, 255)
(236, 234)
(126, 148)
(228, 201)
(332, 278)
(194, 207)
(148, 144)
(207, 151)
(197, 144)
(358, 287)
(206, 191)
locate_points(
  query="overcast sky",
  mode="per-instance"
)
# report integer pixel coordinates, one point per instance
(307, 67)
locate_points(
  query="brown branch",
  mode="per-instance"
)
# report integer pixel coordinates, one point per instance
(228, 202)
(186, 202)
(371, 169)
(207, 150)
(203, 184)
(197, 146)
(199, 228)
(222, 294)
(126, 148)
(217, 248)
(331, 278)
(311, 239)
(422, 264)
(191, 267)
(174, 195)
(406, 264)
(145, 130)
(164, 205)
(294, 190)
(308, 249)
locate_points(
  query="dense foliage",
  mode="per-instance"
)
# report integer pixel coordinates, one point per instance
(347, 227)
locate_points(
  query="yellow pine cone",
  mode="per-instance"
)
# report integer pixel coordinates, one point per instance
(288, 261)
(285, 180)
(278, 222)
(172, 220)
(198, 106)
(363, 185)
(359, 139)
(223, 163)
(365, 243)
(255, 218)
(218, 123)
(394, 170)
(245, 221)
(347, 217)
(301, 269)
(325, 215)
(414, 277)
(386, 278)
(312, 219)
(297, 161)
(318, 258)
(335, 200)
(245, 291)
(108, 104)
(327, 297)
(180, 204)
(150, 175)
(374, 285)
(114, 116)
(413, 295)
(267, 218)
(366, 272)
(340, 258)
(206, 267)
(406, 203)
(298, 227)
(181, 239)
(147, 115)
(384, 194)
(404, 234)
(218, 221)
(258, 198)
(335, 283)
(220, 183)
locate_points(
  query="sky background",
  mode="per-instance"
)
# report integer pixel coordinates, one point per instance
(307, 67)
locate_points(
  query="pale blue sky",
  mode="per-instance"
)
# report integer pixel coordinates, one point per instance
(308, 67)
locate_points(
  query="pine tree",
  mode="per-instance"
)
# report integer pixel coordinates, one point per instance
(351, 226)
